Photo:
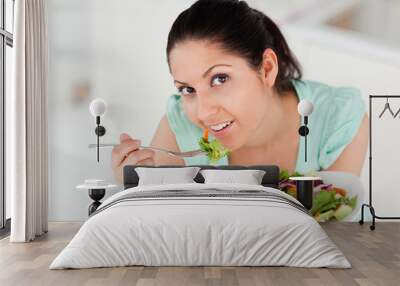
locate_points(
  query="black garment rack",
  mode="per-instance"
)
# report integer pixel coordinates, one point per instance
(369, 205)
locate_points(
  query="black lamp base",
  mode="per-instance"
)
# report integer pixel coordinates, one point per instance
(96, 195)
(100, 130)
(305, 190)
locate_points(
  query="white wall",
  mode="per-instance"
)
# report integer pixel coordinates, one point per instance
(116, 50)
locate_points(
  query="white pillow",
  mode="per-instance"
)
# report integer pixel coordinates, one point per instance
(249, 177)
(161, 176)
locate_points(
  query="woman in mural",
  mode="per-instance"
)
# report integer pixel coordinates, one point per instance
(234, 70)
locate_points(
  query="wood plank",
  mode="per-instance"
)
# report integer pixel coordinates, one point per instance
(374, 255)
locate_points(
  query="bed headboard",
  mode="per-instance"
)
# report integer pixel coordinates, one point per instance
(270, 179)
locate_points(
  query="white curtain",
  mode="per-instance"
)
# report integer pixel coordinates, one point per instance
(26, 123)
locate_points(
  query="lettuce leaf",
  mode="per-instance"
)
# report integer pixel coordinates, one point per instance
(324, 201)
(214, 149)
(322, 217)
(284, 175)
(352, 202)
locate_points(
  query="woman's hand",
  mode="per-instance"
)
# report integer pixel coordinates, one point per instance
(128, 153)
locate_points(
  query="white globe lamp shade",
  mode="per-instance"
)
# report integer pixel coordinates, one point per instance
(305, 107)
(98, 107)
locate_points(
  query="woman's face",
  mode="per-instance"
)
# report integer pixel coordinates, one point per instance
(219, 87)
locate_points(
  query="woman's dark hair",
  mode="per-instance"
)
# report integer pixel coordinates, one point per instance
(239, 29)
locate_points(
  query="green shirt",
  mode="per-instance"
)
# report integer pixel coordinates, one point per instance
(337, 116)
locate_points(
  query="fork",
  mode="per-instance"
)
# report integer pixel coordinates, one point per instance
(192, 153)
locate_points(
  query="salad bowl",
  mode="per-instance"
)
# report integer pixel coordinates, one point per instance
(348, 182)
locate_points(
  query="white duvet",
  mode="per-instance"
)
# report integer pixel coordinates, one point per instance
(180, 231)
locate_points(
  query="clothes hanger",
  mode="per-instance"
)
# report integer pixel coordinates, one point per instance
(387, 107)
(398, 111)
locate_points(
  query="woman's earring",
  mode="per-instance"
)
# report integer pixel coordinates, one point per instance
(305, 108)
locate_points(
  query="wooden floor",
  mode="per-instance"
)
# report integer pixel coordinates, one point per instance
(374, 255)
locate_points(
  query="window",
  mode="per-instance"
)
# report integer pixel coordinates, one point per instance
(6, 44)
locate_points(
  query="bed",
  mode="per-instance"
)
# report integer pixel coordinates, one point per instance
(201, 224)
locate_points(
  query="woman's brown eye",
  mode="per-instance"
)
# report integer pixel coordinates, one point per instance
(219, 79)
(185, 90)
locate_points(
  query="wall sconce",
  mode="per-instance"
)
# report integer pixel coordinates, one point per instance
(305, 108)
(98, 108)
